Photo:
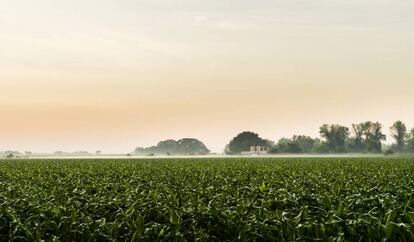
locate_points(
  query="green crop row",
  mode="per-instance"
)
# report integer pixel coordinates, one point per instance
(226, 199)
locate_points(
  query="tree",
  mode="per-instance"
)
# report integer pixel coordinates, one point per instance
(243, 142)
(186, 146)
(373, 136)
(269, 143)
(356, 143)
(298, 144)
(168, 145)
(335, 136)
(320, 147)
(305, 143)
(285, 145)
(192, 146)
(367, 137)
(410, 141)
(399, 133)
(139, 150)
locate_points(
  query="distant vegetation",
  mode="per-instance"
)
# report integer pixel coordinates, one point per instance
(366, 137)
(185, 146)
(244, 140)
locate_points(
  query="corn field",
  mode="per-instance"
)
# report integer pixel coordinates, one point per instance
(220, 199)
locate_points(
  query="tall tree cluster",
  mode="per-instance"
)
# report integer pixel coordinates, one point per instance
(365, 137)
(335, 137)
(404, 140)
(186, 146)
(243, 141)
(399, 133)
(410, 141)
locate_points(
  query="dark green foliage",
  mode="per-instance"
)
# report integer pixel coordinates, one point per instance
(298, 144)
(367, 137)
(10, 156)
(192, 146)
(261, 199)
(335, 136)
(357, 143)
(320, 147)
(399, 133)
(243, 141)
(184, 146)
(288, 146)
(373, 136)
(410, 142)
(389, 152)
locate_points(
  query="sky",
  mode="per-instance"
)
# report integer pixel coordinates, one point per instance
(112, 75)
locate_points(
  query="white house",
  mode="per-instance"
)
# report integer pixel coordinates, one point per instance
(256, 150)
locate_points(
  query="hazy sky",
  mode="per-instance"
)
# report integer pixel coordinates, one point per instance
(116, 74)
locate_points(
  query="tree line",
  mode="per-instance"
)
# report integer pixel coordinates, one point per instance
(186, 146)
(365, 137)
